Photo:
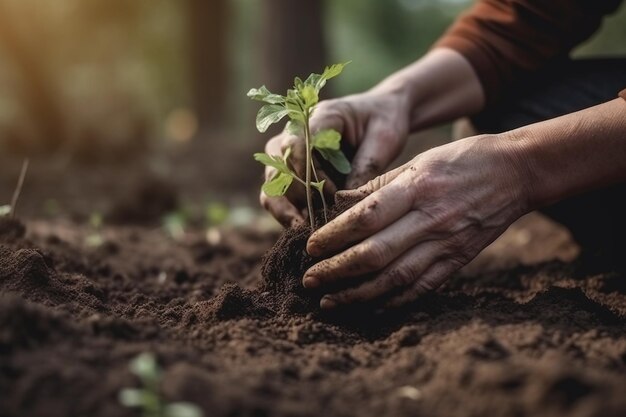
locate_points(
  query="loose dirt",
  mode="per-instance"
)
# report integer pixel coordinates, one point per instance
(539, 340)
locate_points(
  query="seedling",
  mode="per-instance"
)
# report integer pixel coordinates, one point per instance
(95, 239)
(10, 209)
(298, 105)
(148, 398)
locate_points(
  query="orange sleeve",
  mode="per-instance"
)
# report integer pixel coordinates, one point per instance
(507, 39)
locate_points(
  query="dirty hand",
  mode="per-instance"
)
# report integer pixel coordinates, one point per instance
(375, 123)
(418, 224)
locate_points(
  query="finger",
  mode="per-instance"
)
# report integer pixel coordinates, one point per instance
(401, 273)
(367, 217)
(432, 279)
(374, 155)
(373, 254)
(282, 210)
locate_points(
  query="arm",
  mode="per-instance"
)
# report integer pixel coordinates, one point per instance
(439, 87)
(506, 40)
(420, 223)
(574, 153)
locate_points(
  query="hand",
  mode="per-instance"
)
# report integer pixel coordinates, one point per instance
(421, 222)
(375, 123)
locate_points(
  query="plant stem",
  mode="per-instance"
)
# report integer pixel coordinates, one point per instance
(18, 188)
(325, 208)
(307, 185)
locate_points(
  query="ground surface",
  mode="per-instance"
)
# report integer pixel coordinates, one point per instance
(525, 341)
(518, 334)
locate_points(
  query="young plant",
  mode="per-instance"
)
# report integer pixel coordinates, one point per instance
(298, 105)
(148, 398)
(94, 238)
(10, 209)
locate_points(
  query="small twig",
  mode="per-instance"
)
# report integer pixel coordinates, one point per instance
(18, 188)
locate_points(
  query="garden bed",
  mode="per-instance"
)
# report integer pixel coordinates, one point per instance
(525, 341)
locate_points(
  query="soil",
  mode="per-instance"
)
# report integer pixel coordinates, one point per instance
(537, 340)
(514, 334)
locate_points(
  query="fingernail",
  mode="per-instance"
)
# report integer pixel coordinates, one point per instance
(311, 248)
(327, 303)
(310, 281)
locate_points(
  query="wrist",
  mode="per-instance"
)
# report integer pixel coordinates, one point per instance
(516, 150)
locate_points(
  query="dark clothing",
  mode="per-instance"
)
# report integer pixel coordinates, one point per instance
(505, 41)
(597, 219)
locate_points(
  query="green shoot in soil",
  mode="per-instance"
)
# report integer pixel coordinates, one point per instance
(11, 209)
(298, 105)
(94, 238)
(148, 398)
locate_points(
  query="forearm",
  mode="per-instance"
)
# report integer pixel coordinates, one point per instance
(440, 87)
(572, 154)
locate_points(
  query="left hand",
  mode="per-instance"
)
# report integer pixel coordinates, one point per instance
(421, 222)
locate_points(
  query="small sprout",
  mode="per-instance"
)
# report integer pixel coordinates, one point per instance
(298, 105)
(175, 224)
(18, 188)
(94, 238)
(216, 214)
(5, 210)
(148, 398)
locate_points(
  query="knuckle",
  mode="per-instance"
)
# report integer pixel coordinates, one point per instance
(369, 216)
(375, 255)
(424, 286)
(400, 276)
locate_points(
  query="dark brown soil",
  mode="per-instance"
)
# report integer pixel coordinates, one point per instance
(526, 341)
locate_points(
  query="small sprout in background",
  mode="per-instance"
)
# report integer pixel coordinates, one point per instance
(5, 210)
(298, 105)
(94, 238)
(241, 216)
(175, 225)
(148, 397)
(216, 213)
(18, 188)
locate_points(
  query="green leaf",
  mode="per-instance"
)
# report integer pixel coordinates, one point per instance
(309, 95)
(295, 127)
(274, 161)
(182, 409)
(319, 80)
(131, 397)
(334, 70)
(327, 139)
(264, 95)
(318, 185)
(145, 367)
(5, 210)
(268, 115)
(298, 84)
(337, 159)
(278, 186)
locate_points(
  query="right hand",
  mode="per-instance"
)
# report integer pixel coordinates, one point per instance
(374, 123)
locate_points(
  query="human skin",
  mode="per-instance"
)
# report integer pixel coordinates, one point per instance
(420, 223)
(440, 87)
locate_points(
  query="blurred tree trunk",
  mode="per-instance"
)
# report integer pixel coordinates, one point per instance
(39, 94)
(293, 41)
(208, 25)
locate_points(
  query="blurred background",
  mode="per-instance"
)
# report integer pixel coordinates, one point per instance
(135, 108)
